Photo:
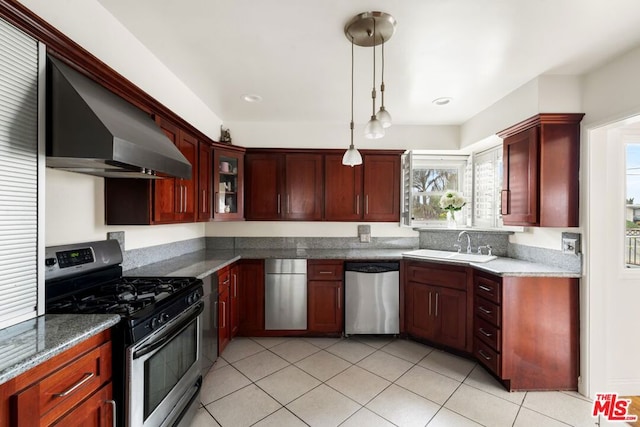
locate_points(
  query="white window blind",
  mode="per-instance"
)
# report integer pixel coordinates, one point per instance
(18, 175)
(488, 181)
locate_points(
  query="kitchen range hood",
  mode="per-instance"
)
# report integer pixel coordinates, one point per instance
(93, 131)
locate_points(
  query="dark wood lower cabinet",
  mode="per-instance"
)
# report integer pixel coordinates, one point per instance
(437, 314)
(224, 306)
(251, 299)
(30, 398)
(324, 308)
(526, 330)
(438, 304)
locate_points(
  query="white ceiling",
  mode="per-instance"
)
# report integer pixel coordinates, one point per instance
(294, 53)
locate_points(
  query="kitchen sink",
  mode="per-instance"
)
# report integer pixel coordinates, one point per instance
(447, 255)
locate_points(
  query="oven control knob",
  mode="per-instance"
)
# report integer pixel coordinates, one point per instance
(164, 317)
(154, 323)
(193, 298)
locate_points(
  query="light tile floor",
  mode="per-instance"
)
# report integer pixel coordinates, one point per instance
(368, 381)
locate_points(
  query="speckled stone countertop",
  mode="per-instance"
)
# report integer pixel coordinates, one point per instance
(504, 267)
(203, 263)
(29, 343)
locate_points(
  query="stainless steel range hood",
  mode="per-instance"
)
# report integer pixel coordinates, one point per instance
(91, 130)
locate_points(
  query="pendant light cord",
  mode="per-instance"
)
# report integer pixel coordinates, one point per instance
(351, 125)
(382, 74)
(373, 91)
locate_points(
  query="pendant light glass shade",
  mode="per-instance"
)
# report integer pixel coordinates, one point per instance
(384, 117)
(374, 129)
(352, 157)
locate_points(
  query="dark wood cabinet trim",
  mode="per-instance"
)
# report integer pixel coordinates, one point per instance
(541, 119)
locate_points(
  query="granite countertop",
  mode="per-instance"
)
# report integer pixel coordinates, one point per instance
(34, 341)
(203, 263)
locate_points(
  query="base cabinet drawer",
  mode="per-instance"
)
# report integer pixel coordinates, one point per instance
(55, 394)
(96, 411)
(488, 311)
(72, 388)
(487, 356)
(488, 333)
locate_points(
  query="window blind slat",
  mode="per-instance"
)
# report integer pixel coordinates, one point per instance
(18, 175)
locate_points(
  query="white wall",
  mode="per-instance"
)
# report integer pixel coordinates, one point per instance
(75, 202)
(91, 26)
(612, 91)
(75, 213)
(336, 135)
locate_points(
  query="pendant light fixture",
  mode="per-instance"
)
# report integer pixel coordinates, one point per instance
(352, 156)
(383, 115)
(370, 29)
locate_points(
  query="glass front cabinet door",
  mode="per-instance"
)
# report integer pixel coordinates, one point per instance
(228, 171)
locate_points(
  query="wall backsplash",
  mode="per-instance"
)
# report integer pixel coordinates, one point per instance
(429, 239)
(444, 239)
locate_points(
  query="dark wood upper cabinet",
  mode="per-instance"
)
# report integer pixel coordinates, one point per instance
(263, 186)
(205, 153)
(283, 186)
(157, 201)
(228, 185)
(303, 187)
(313, 185)
(381, 187)
(541, 159)
(343, 198)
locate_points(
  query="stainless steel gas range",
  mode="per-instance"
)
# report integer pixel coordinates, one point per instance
(156, 345)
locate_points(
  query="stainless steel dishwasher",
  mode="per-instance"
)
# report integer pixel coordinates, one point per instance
(372, 298)
(285, 299)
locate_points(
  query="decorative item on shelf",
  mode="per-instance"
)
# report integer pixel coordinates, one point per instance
(225, 135)
(452, 201)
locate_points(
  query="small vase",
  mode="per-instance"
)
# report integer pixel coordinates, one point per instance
(451, 220)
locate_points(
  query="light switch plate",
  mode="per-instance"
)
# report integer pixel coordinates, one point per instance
(364, 233)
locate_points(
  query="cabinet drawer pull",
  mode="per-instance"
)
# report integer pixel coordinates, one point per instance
(366, 204)
(224, 314)
(486, 289)
(87, 376)
(485, 333)
(482, 353)
(114, 413)
(325, 272)
(216, 323)
(429, 303)
(437, 293)
(278, 204)
(484, 310)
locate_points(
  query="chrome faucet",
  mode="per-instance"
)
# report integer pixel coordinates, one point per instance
(464, 233)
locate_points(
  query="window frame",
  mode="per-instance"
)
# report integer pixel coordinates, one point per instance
(414, 161)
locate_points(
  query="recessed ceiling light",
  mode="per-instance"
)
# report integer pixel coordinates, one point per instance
(252, 97)
(442, 101)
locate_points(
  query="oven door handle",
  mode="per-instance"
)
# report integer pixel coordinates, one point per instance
(170, 334)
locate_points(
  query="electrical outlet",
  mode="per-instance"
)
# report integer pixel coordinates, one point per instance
(569, 246)
(364, 233)
(571, 243)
